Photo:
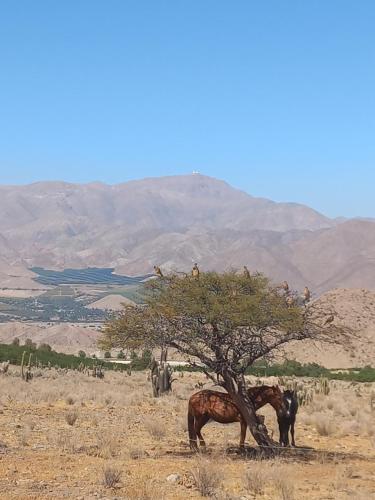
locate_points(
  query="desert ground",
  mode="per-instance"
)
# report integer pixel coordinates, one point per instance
(69, 435)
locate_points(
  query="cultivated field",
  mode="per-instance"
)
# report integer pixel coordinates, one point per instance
(67, 435)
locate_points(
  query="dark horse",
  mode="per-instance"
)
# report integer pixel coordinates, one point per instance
(213, 405)
(287, 420)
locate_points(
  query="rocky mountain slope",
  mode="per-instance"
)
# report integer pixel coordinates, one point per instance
(174, 221)
(355, 309)
(63, 337)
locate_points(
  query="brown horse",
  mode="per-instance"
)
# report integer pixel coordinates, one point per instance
(213, 405)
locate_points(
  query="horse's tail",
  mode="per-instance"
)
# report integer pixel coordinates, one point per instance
(191, 427)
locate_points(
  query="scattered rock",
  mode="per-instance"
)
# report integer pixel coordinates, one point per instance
(173, 478)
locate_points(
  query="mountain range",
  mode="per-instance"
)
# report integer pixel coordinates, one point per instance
(173, 222)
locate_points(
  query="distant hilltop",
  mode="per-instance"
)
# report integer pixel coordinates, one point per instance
(173, 222)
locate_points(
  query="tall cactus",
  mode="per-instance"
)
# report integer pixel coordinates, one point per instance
(324, 386)
(26, 373)
(161, 377)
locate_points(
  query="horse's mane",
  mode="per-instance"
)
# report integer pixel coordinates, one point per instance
(258, 389)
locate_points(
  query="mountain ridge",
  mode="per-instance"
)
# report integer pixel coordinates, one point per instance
(173, 221)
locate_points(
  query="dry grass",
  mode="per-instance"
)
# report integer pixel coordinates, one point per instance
(107, 444)
(146, 439)
(206, 476)
(71, 416)
(24, 437)
(144, 489)
(256, 478)
(111, 476)
(324, 426)
(285, 487)
(155, 427)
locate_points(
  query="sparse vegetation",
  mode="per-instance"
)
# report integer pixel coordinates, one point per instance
(71, 416)
(206, 476)
(111, 476)
(46, 358)
(115, 424)
(324, 426)
(284, 486)
(155, 427)
(256, 477)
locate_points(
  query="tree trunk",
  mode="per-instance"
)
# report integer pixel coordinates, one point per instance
(237, 389)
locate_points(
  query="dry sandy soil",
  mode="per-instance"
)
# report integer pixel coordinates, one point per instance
(120, 428)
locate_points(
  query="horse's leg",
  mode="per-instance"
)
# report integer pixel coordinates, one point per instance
(243, 433)
(284, 432)
(191, 429)
(281, 433)
(292, 432)
(199, 423)
(287, 428)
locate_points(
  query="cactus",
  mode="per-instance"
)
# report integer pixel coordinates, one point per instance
(4, 366)
(305, 396)
(324, 386)
(26, 373)
(161, 378)
(372, 401)
(97, 371)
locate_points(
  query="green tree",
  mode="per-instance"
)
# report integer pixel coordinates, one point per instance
(29, 343)
(225, 321)
(121, 355)
(45, 347)
(81, 354)
(107, 355)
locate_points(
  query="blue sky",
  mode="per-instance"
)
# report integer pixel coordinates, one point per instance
(277, 98)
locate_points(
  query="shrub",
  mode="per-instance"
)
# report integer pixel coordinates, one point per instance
(324, 426)
(141, 363)
(285, 487)
(121, 355)
(111, 476)
(206, 477)
(81, 354)
(16, 341)
(155, 427)
(45, 347)
(107, 445)
(30, 344)
(107, 355)
(256, 478)
(137, 453)
(71, 416)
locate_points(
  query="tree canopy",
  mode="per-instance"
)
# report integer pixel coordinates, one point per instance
(217, 318)
(226, 321)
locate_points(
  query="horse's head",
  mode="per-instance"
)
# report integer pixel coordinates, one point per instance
(277, 400)
(273, 395)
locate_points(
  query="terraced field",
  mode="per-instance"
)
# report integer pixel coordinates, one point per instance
(90, 275)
